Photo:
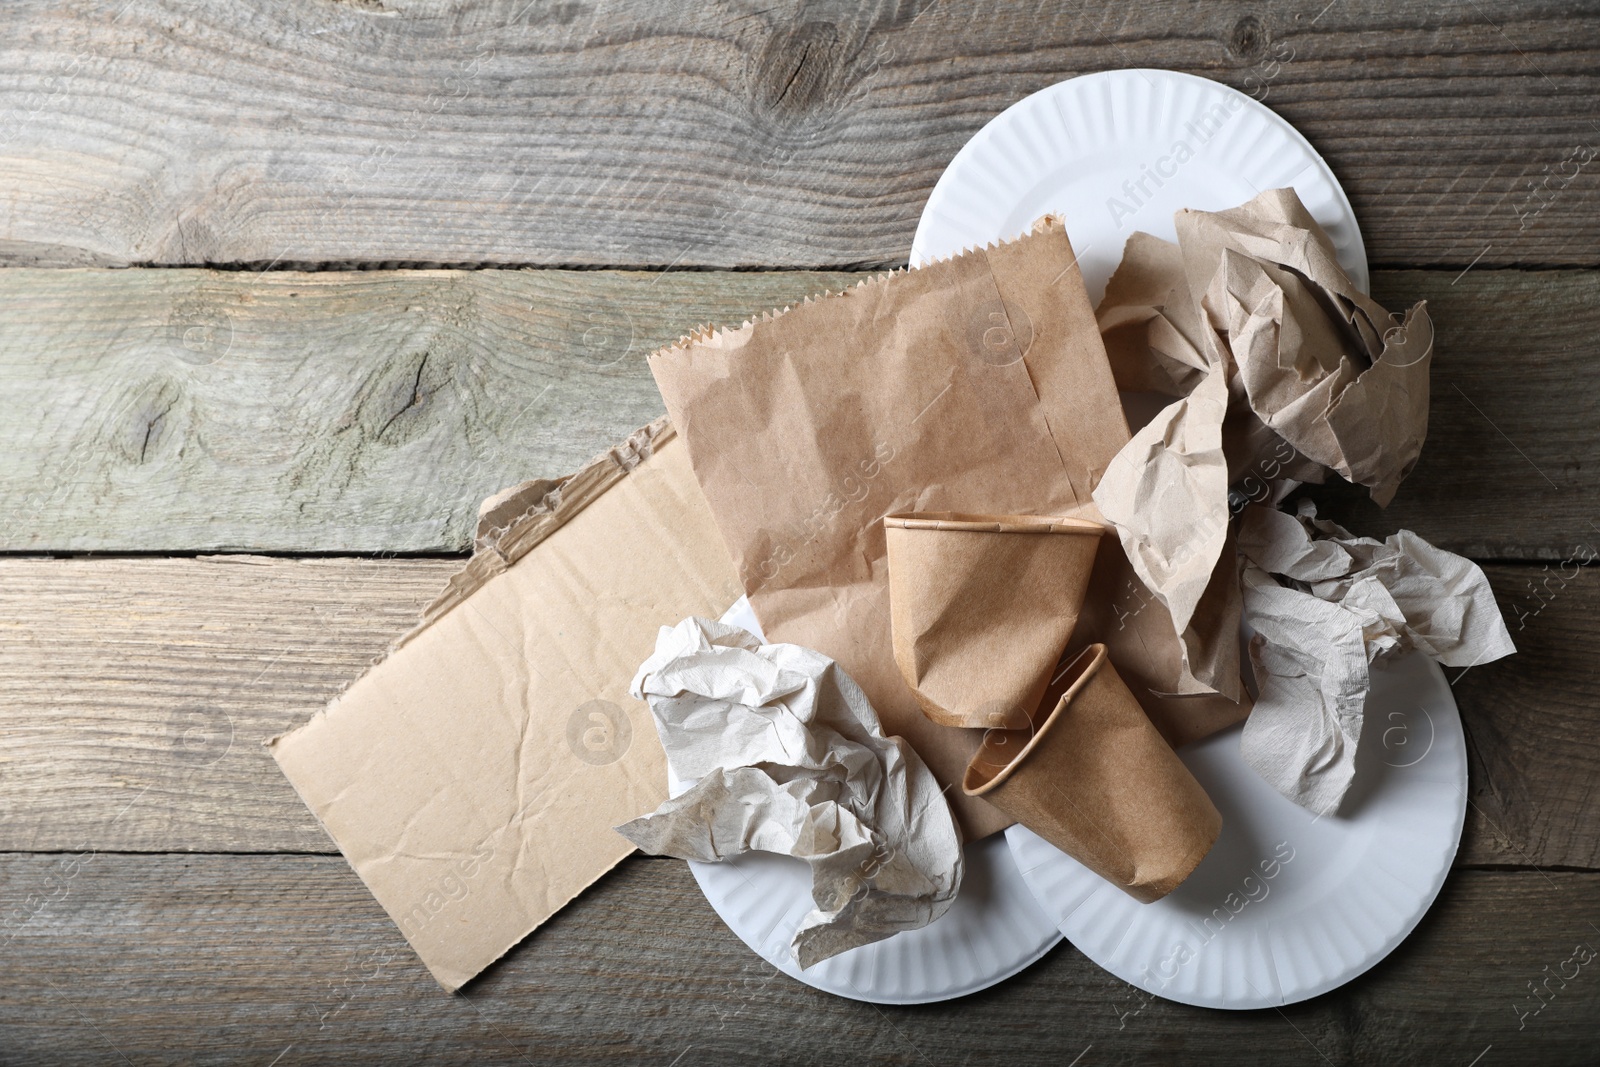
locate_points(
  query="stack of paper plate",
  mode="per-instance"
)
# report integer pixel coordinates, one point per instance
(1286, 905)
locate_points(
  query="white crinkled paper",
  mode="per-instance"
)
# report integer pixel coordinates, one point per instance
(1347, 601)
(788, 757)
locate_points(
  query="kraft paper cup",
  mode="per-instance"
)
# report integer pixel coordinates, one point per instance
(1096, 780)
(981, 607)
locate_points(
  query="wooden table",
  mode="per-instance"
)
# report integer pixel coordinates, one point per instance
(383, 257)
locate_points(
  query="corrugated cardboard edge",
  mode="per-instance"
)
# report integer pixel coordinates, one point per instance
(709, 332)
(512, 522)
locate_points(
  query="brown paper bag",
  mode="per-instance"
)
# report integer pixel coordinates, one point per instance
(977, 384)
(981, 607)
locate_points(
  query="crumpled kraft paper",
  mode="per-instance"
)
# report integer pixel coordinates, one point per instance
(1281, 366)
(975, 384)
(1355, 599)
(1151, 327)
(790, 758)
(1324, 365)
(1166, 493)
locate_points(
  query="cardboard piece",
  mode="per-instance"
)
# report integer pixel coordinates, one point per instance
(473, 776)
(788, 757)
(981, 607)
(1140, 820)
(976, 384)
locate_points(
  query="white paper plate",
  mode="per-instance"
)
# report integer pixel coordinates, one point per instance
(1241, 932)
(993, 930)
(1069, 150)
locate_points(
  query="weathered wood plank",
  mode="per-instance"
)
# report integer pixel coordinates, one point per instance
(185, 410)
(172, 410)
(1533, 718)
(729, 134)
(135, 694)
(213, 959)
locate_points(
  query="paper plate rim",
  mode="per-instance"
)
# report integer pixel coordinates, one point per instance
(987, 980)
(920, 256)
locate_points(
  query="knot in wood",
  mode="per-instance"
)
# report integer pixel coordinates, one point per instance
(1248, 38)
(798, 69)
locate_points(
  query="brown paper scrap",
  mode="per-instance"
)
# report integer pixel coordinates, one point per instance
(1154, 336)
(1250, 321)
(1167, 495)
(1337, 376)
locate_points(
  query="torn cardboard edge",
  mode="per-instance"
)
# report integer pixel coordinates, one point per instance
(514, 521)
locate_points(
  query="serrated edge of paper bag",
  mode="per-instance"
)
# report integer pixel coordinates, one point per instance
(708, 332)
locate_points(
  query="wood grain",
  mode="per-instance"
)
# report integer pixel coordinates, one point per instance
(135, 695)
(268, 409)
(138, 694)
(428, 132)
(360, 412)
(1530, 718)
(186, 410)
(214, 959)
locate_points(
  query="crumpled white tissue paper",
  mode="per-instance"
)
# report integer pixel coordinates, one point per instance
(788, 756)
(1337, 603)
